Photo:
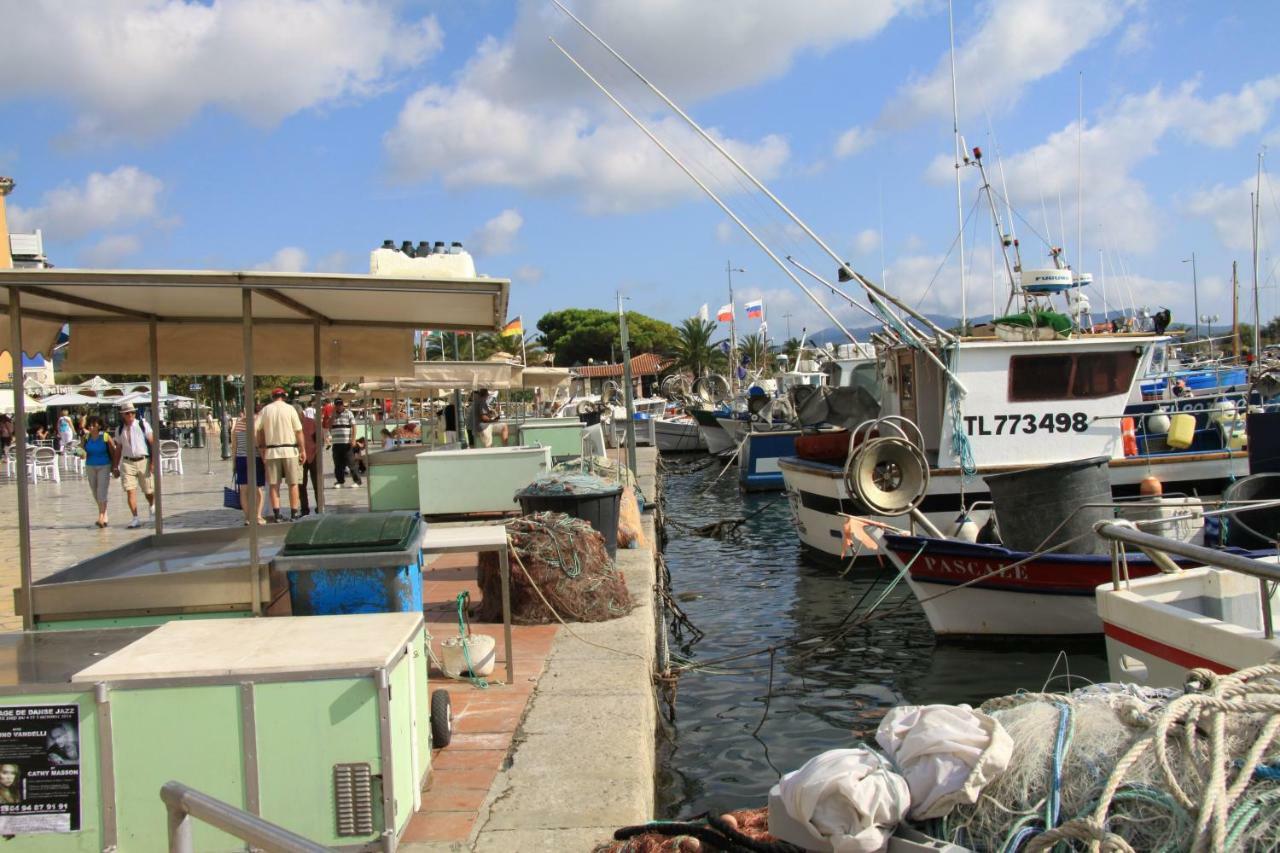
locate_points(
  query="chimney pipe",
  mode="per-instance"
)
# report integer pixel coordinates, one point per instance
(455, 248)
(6, 248)
(424, 248)
(440, 247)
(407, 247)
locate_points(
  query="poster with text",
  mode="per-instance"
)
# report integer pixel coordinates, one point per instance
(39, 769)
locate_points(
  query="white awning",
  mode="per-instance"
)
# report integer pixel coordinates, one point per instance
(366, 322)
(6, 403)
(545, 377)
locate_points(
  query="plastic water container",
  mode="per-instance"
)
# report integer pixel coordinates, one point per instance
(1182, 431)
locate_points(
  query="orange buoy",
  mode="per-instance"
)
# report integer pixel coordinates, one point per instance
(1129, 435)
(1151, 487)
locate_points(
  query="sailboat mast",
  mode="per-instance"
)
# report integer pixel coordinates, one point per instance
(1235, 312)
(955, 127)
(1080, 177)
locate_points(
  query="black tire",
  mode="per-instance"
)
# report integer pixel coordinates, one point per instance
(441, 719)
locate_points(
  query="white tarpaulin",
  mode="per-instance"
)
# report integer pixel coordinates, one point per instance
(6, 402)
(947, 753)
(545, 377)
(849, 798)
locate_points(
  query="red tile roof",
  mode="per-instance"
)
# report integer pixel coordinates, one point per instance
(645, 364)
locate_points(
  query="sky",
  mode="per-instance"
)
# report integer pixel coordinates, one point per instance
(300, 134)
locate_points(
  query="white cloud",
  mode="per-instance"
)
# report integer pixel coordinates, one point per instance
(110, 251)
(726, 231)
(1135, 38)
(137, 68)
(519, 115)
(498, 235)
(287, 259)
(71, 212)
(1117, 203)
(338, 261)
(866, 241)
(1017, 43)
(1227, 209)
(853, 141)
(528, 274)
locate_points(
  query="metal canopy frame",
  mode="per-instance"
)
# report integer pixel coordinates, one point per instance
(163, 297)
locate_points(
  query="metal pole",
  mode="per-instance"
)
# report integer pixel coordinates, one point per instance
(955, 127)
(1235, 311)
(1195, 293)
(157, 506)
(626, 387)
(223, 438)
(733, 330)
(318, 405)
(251, 454)
(20, 448)
(185, 804)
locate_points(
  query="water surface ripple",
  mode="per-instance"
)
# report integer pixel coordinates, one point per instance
(755, 590)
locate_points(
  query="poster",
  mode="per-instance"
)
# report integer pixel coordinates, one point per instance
(39, 769)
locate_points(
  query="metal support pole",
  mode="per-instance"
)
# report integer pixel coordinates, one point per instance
(185, 805)
(318, 405)
(157, 504)
(20, 448)
(504, 564)
(223, 421)
(251, 453)
(627, 397)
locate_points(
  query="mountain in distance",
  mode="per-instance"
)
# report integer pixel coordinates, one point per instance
(863, 333)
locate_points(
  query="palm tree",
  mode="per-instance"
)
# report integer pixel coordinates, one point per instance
(694, 351)
(756, 348)
(791, 347)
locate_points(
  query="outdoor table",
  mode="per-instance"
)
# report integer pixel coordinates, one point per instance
(477, 539)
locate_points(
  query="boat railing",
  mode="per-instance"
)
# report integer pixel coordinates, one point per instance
(1152, 544)
(187, 805)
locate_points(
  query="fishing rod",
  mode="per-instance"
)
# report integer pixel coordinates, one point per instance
(711, 193)
(844, 267)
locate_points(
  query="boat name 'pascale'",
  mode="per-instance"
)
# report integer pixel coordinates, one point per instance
(1028, 424)
(967, 568)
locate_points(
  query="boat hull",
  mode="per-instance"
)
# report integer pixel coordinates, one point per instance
(758, 459)
(679, 435)
(717, 440)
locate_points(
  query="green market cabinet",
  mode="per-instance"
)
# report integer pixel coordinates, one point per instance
(319, 724)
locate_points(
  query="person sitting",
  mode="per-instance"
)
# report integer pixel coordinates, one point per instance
(358, 455)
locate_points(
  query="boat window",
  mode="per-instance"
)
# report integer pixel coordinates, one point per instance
(1039, 377)
(1064, 377)
(1101, 374)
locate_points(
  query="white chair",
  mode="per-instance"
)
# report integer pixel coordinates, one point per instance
(170, 457)
(71, 461)
(44, 463)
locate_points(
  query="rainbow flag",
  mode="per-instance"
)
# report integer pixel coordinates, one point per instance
(513, 328)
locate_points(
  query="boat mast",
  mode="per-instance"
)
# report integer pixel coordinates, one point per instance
(959, 152)
(1080, 184)
(1235, 312)
(729, 270)
(1254, 203)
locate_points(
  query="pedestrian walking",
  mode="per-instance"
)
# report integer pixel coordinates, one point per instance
(98, 449)
(250, 505)
(283, 452)
(6, 435)
(132, 458)
(342, 427)
(66, 430)
(309, 466)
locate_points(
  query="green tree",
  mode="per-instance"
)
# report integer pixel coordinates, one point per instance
(577, 334)
(791, 346)
(694, 351)
(756, 348)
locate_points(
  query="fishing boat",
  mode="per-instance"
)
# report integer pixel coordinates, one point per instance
(679, 434)
(1219, 615)
(713, 434)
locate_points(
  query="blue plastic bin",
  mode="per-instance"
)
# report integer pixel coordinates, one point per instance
(366, 563)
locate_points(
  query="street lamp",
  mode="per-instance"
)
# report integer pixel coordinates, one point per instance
(1209, 320)
(1195, 290)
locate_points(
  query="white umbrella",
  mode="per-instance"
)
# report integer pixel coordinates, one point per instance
(6, 402)
(72, 399)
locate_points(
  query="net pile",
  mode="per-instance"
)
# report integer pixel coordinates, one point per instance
(563, 558)
(743, 830)
(1128, 768)
(568, 483)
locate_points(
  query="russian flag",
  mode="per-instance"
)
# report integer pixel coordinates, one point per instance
(725, 314)
(755, 310)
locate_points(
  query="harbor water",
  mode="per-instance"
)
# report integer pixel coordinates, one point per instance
(755, 589)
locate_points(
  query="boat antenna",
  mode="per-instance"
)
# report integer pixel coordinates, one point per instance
(846, 270)
(959, 152)
(1080, 174)
(710, 193)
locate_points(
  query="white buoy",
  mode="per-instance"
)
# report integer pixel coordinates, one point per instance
(966, 529)
(1158, 422)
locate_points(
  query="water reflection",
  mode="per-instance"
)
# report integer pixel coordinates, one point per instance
(756, 590)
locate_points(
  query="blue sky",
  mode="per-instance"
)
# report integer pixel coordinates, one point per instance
(298, 135)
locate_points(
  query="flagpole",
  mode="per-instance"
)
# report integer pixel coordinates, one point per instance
(729, 270)
(524, 357)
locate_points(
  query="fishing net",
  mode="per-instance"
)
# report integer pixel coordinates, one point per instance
(746, 829)
(564, 559)
(603, 467)
(1135, 769)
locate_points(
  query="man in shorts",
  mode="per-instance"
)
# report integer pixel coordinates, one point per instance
(134, 449)
(283, 451)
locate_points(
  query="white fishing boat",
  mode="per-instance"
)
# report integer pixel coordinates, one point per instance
(1219, 616)
(1024, 404)
(679, 434)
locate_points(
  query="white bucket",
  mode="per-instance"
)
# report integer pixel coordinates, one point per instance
(482, 649)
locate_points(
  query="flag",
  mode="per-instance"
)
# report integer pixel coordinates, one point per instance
(764, 328)
(513, 328)
(725, 314)
(755, 310)
(704, 313)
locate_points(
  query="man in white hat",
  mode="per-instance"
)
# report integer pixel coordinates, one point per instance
(134, 450)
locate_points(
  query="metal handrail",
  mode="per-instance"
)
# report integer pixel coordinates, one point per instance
(185, 803)
(1266, 573)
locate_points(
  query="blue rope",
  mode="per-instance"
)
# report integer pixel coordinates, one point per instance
(1059, 754)
(960, 447)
